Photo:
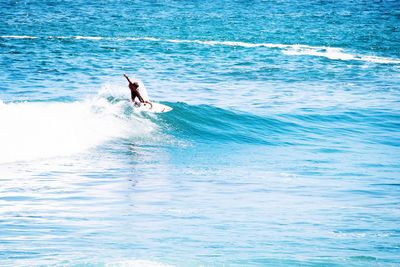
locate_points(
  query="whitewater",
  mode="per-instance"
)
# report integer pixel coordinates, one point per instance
(334, 53)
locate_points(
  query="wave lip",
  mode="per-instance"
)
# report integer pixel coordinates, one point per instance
(333, 53)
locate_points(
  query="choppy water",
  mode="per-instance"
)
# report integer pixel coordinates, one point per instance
(282, 148)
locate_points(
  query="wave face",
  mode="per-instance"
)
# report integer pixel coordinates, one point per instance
(208, 124)
(35, 130)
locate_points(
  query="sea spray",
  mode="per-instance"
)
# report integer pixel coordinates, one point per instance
(33, 130)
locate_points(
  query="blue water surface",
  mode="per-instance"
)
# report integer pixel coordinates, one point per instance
(282, 148)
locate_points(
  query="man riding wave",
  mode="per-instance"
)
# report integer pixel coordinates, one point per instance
(135, 93)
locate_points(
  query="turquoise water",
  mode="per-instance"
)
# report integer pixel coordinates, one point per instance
(282, 148)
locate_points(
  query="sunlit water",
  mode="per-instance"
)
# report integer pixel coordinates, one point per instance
(282, 148)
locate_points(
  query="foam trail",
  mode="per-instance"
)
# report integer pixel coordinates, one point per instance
(94, 38)
(230, 43)
(319, 51)
(140, 38)
(39, 130)
(18, 37)
(336, 54)
(333, 53)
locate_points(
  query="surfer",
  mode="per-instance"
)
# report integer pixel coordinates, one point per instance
(133, 86)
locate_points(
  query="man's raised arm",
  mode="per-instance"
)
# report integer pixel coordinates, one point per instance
(126, 76)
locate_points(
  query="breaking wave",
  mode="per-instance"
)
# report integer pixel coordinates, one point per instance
(35, 130)
(333, 53)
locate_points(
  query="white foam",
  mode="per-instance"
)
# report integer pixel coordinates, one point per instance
(150, 39)
(95, 38)
(333, 53)
(328, 52)
(59, 37)
(18, 37)
(382, 60)
(231, 43)
(32, 131)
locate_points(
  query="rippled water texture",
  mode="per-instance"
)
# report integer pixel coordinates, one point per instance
(282, 148)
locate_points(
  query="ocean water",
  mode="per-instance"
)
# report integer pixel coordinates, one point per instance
(282, 148)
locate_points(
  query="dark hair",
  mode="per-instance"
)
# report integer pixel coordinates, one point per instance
(135, 84)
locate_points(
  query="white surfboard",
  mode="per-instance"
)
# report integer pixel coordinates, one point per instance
(143, 92)
(153, 107)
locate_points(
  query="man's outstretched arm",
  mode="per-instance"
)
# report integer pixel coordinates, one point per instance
(126, 76)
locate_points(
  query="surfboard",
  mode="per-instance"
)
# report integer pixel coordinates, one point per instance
(153, 107)
(143, 92)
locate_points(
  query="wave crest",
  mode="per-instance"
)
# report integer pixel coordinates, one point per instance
(333, 53)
